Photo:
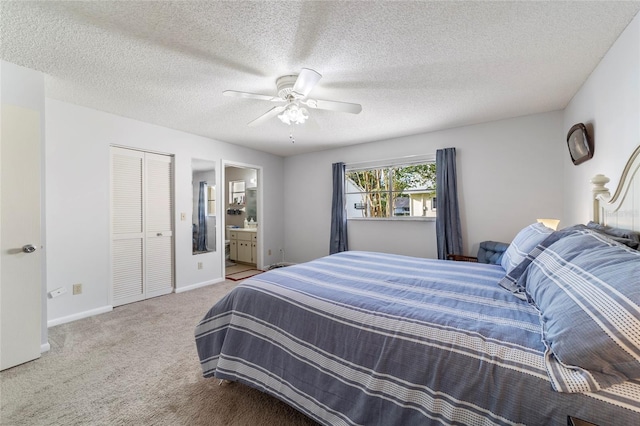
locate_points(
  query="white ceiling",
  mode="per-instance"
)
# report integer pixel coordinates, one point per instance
(414, 66)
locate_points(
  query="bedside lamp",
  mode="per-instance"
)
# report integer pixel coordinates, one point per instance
(550, 223)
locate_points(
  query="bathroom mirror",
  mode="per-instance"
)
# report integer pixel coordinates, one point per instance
(236, 192)
(203, 218)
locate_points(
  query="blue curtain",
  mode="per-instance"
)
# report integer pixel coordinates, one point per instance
(338, 241)
(201, 244)
(448, 228)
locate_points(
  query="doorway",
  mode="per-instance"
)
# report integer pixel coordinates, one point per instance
(241, 216)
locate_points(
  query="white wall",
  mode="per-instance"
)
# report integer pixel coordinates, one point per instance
(509, 174)
(24, 87)
(509, 171)
(610, 100)
(77, 157)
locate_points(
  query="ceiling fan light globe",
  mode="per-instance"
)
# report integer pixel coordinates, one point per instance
(294, 114)
(284, 118)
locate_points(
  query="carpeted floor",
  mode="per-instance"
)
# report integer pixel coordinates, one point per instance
(136, 365)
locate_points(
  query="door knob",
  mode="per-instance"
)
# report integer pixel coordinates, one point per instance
(29, 248)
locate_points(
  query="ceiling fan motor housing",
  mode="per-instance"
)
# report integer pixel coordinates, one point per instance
(285, 85)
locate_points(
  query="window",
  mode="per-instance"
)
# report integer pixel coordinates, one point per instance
(402, 190)
(211, 200)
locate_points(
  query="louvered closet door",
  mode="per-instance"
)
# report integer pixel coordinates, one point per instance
(159, 224)
(127, 234)
(142, 225)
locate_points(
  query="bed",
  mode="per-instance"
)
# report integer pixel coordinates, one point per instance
(549, 336)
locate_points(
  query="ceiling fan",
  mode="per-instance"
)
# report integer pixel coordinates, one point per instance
(292, 93)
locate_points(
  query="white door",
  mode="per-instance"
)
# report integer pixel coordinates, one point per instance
(20, 268)
(127, 232)
(159, 224)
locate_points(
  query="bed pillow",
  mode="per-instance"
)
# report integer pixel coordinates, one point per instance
(523, 243)
(514, 281)
(586, 288)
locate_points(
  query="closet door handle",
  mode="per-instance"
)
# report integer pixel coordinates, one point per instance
(159, 234)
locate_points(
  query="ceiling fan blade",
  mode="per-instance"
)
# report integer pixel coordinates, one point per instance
(334, 106)
(306, 81)
(266, 116)
(247, 95)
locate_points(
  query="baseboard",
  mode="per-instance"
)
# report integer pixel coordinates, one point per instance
(80, 315)
(198, 285)
(45, 347)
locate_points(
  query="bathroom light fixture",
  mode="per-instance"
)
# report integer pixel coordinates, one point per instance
(293, 114)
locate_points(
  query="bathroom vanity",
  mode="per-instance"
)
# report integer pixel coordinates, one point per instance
(243, 245)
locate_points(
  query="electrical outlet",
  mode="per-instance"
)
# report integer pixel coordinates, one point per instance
(183, 216)
(77, 289)
(199, 265)
(269, 252)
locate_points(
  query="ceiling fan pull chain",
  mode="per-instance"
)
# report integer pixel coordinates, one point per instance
(293, 140)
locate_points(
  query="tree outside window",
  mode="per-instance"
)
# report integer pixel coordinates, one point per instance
(386, 192)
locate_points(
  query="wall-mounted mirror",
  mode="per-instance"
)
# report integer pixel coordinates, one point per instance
(203, 219)
(236, 192)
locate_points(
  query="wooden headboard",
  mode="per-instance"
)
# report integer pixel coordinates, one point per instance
(622, 209)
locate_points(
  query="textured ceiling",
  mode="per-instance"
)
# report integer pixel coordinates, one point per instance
(413, 66)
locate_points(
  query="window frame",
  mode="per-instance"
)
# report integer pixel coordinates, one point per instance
(388, 165)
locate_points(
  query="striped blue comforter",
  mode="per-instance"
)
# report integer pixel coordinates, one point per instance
(361, 338)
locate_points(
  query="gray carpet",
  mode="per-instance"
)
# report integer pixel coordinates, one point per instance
(136, 365)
